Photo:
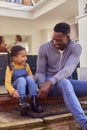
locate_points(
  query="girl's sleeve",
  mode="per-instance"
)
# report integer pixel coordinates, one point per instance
(28, 69)
(8, 78)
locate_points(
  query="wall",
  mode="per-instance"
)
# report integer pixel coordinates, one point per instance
(82, 23)
(37, 36)
(31, 28)
(74, 32)
(11, 26)
(81, 6)
(46, 35)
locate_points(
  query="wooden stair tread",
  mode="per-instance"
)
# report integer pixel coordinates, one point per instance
(8, 103)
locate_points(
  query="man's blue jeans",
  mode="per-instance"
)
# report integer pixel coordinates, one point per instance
(21, 83)
(69, 88)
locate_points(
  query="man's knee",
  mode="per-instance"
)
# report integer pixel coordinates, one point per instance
(64, 85)
(63, 82)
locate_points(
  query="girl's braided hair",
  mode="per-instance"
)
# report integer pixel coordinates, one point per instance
(13, 52)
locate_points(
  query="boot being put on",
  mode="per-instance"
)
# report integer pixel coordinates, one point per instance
(35, 106)
(24, 106)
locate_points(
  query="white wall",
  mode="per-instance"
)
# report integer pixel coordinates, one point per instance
(82, 23)
(37, 36)
(74, 31)
(12, 26)
(46, 34)
(81, 6)
(83, 40)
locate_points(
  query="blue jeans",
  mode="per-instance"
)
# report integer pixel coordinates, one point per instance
(69, 88)
(21, 83)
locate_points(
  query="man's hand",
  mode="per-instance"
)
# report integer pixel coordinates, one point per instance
(44, 89)
(15, 94)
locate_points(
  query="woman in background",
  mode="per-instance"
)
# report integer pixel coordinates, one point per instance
(3, 46)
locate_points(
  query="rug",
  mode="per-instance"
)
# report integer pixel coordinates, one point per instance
(53, 109)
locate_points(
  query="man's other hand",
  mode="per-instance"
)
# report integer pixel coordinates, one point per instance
(44, 89)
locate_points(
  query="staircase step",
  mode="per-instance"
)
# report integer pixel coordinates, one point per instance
(8, 103)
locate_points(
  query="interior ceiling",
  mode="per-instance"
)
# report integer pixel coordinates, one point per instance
(64, 12)
(26, 5)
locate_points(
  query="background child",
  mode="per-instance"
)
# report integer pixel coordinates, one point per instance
(18, 77)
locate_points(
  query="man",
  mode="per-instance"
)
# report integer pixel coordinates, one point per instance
(57, 59)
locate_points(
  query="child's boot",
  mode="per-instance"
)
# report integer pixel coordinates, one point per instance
(36, 107)
(24, 106)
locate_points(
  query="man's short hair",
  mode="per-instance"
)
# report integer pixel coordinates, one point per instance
(62, 27)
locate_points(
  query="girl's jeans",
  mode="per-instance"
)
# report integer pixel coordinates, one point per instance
(21, 83)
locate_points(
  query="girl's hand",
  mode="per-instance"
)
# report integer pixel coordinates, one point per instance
(15, 94)
(34, 77)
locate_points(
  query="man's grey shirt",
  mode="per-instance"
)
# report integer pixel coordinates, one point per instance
(51, 62)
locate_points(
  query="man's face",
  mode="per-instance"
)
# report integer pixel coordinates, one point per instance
(60, 40)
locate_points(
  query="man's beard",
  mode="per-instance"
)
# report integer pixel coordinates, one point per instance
(61, 46)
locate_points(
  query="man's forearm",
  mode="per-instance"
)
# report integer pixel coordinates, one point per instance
(41, 78)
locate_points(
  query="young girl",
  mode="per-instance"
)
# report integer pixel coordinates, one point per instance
(18, 77)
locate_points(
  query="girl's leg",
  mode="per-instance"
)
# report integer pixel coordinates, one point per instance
(31, 86)
(36, 107)
(20, 85)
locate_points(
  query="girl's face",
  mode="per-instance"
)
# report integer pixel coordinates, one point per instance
(20, 58)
